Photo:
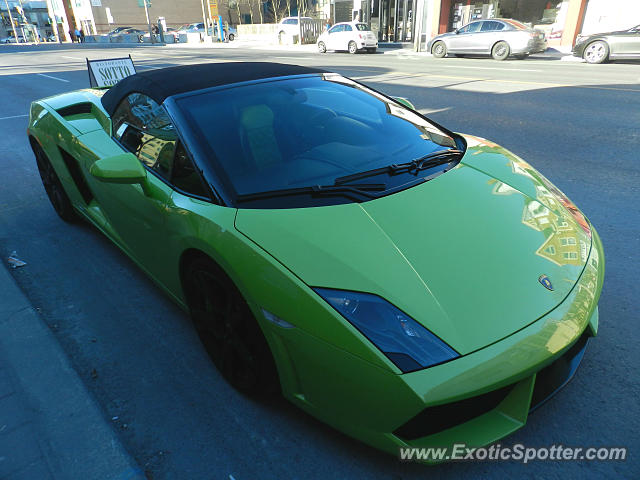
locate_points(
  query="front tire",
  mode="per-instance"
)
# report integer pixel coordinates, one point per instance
(228, 330)
(53, 186)
(500, 51)
(596, 52)
(439, 50)
(353, 48)
(322, 48)
(281, 36)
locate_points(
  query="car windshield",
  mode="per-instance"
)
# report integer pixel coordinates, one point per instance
(304, 131)
(362, 27)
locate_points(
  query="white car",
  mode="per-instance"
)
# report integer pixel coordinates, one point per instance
(12, 39)
(288, 28)
(349, 36)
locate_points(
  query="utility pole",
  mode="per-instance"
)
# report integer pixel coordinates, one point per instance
(204, 17)
(54, 25)
(13, 25)
(146, 12)
(299, 24)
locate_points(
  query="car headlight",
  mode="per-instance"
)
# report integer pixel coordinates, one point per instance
(404, 341)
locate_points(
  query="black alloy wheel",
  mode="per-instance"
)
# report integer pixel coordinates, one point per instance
(53, 187)
(228, 330)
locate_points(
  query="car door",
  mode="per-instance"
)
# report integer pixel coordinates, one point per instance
(626, 44)
(345, 37)
(462, 42)
(334, 36)
(136, 212)
(488, 35)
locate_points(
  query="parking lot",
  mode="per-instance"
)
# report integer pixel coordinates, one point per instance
(139, 357)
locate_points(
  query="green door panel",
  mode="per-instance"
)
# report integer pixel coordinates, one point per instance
(194, 225)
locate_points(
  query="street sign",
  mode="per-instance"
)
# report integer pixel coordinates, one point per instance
(106, 73)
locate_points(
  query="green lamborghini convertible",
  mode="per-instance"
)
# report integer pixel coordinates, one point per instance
(408, 285)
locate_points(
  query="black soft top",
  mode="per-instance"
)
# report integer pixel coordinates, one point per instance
(164, 82)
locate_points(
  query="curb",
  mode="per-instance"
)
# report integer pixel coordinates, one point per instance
(72, 438)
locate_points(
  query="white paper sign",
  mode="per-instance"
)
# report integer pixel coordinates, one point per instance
(106, 73)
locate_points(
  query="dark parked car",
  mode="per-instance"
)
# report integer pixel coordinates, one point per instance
(601, 47)
(497, 37)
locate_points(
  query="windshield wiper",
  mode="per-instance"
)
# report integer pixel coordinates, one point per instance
(354, 192)
(430, 160)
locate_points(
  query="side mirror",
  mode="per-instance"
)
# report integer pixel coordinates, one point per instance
(456, 31)
(404, 102)
(124, 168)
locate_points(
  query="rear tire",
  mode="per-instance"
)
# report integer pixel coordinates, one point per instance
(231, 37)
(500, 51)
(353, 48)
(596, 52)
(281, 36)
(53, 186)
(439, 50)
(228, 330)
(322, 48)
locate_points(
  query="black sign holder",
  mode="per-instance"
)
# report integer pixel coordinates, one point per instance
(93, 83)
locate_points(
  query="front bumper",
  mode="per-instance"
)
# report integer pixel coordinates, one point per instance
(578, 49)
(477, 399)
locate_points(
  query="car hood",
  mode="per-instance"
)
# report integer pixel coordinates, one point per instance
(462, 254)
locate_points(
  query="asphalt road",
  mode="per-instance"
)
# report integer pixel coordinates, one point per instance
(579, 124)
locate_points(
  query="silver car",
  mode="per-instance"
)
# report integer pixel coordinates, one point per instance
(497, 37)
(601, 47)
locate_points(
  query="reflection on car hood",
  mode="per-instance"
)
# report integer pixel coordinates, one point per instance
(462, 253)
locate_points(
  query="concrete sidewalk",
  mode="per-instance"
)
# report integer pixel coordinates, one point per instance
(50, 426)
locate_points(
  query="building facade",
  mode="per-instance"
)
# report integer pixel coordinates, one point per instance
(561, 20)
(109, 14)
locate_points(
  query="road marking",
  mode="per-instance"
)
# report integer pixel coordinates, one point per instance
(71, 58)
(507, 69)
(495, 80)
(293, 58)
(54, 78)
(14, 116)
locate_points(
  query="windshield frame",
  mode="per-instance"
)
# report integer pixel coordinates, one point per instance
(206, 160)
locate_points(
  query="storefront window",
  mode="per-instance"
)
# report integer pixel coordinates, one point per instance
(393, 20)
(546, 15)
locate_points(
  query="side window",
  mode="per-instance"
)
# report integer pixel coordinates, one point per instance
(144, 128)
(474, 27)
(347, 28)
(337, 29)
(184, 176)
(491, 26)
(488, 26)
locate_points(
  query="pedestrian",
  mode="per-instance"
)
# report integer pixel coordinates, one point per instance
(72, 35)
(77, 32)
(81, 35)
